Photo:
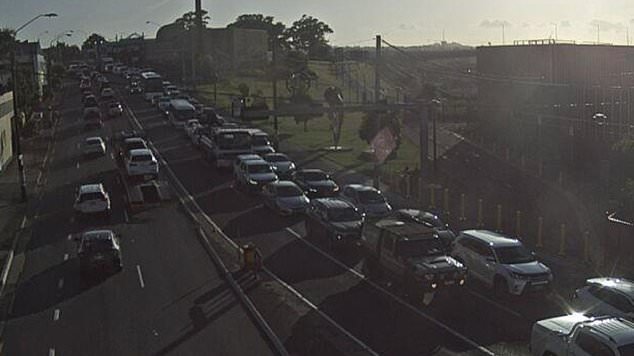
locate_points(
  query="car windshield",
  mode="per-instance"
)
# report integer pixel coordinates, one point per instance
(343, 214)
(277, 158)
(91, 196)
(142, 158)
(93, 141)
(514, 254)
(234, 140)
(289, 191)
(97, 245)
(259, 168)
(420, 247)
(115, 105)
(135, 145)
(314, 176)
(261, 141)
(370, 197)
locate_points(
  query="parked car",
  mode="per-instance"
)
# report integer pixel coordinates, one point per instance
(92, 199)
(580, 335)
(84, 84)
(501, 263)
(281, 163)
(107, 94)
(163, 103)
(115, 109)
(606, 296)
(141, 162)
(285, 198)
(190, 127)
(260, 143)
(170, 90)
(94, 145)
(315, 182)
(255, 174)
(428, 219)
(99, 252)
(368, 200)
(237, 163)
(334, 221)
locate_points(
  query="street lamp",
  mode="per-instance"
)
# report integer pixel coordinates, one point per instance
(14, 79)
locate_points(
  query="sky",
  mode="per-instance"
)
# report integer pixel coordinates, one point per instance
(355, 22)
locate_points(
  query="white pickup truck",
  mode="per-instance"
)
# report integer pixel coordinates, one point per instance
(580, 335)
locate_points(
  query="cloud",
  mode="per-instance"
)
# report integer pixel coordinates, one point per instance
(565, 23)
(607, 25)
(494, 23)
(406, 27)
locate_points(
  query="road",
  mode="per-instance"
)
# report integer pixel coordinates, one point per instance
(468, 321)
(169, 299)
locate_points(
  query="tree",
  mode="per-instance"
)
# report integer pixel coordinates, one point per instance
(93, 40)
(368, 128)
(188, 20)
(274, 29)
(308, 34)
(7, 41)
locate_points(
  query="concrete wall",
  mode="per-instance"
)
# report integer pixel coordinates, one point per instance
(6, 112)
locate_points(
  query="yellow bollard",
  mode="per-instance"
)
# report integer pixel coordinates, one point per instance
(586, 246)
(480, 222)
(518, 223)
(432, 197)
(462, 204)
(446, 201)
(562, 242)
(499, 217)
(540, 229)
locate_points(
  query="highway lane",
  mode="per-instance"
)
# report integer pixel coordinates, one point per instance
(501, 325)
(168, 299)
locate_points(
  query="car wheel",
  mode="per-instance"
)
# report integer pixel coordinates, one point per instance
(500, 288)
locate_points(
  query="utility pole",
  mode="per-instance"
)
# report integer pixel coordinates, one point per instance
(17, 123)
(435, 147)
(274, 64)
(197, 46)
(423, 138)
(377, 99)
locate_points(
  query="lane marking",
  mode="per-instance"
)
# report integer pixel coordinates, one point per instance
(66, 257)
(138, 270)
(51, 352)
(111, 155)
(60, 283)
(56, 315)
(77, 165)
(23, 223)
(70, 236)
(496, 304)
(125, 215)
(392, 295)
(39, 178)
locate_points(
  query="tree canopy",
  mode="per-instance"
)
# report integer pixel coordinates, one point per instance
(92, 40)
(308, 34)
(7, 40)
(188, 20)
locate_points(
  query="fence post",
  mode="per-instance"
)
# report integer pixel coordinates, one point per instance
(499, 218)
(462, 206)
(420, 191)
(562, 241)
(480, 222)
(432, 196)
(540, 230)
(446, 201)
(407, 186)
(518, 223)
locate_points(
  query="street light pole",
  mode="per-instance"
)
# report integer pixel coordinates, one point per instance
(14, 75)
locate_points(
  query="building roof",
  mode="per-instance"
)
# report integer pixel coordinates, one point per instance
(492, 238)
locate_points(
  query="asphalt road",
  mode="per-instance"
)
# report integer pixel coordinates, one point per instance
(465, 321)
(169, 299)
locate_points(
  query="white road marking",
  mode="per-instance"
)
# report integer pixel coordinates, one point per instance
(60, 283)
(51, 352)
(138, 270)
(39, 178)
(111, 155)
(23, 224)
(494, 303)
(77, 165)
(392, 295)
(66, 257)
(70, 236)
(56, 315)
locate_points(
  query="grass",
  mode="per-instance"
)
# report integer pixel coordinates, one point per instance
(319, 134)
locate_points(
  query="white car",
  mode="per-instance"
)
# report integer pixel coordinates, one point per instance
(368, 200)
(501, 263)
(141, 162)
(190, 127)
(237, 163)
(107, 94)
(606, 296)
(94, 145)
(92, 199)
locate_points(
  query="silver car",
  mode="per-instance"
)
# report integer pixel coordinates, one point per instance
(368, 200)
(606, 296)
(285, 197)
(94, 146)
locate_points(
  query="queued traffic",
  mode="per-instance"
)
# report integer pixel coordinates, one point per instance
(414, 247)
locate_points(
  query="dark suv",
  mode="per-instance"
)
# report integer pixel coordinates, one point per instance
(334, 221)
(98, 252)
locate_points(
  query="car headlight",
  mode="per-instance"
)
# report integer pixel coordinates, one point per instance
(291, 166)
(251, 181)
(339, 237)
(335, 189)
(312, 190)
(520, 276)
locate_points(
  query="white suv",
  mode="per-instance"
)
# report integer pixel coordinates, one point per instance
(141, 162)
(606, 296)
(501, 262)
(92, 199)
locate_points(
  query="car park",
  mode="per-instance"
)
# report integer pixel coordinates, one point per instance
(606, 296)
(99, 252)
(368, 200)
(315, 182)
(93, 146)
(141, 162)
(285, 198)
(501, 263)
(281, 163)
(254, 174)
(334, 221)
(92, 199)
(115, 109)
(428, 219)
